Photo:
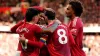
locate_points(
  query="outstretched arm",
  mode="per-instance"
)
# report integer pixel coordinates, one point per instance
(53, 27)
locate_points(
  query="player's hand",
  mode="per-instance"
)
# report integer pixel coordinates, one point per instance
(74, 32)
(22, 39)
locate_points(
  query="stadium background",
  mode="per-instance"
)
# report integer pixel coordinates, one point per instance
(12, 11)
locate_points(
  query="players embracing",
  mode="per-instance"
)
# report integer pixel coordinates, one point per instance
(55, 36)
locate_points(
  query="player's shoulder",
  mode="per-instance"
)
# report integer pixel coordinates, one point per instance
(37, 26)
(79, 22)
(32, 26)
(62, 26)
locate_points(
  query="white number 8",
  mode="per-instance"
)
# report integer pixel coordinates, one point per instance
(62, 36)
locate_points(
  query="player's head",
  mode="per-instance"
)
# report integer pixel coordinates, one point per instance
(32, 12)
(50, 13)
(74, 7)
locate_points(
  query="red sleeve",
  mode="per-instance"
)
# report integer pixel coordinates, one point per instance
(80, 36)
(13, 29)
(38, 30)
(71, 39)
(36, 44)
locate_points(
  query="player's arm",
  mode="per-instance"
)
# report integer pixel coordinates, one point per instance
(48, 30)
(71, 39)
(13, 29)
(52, 28)
(35, 44)
(38, 44)
(80, 35)
(38, 33)
(26, 42)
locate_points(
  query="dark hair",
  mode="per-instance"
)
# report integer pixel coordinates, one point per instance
(50, 14)
(30, 13)
(77, 7)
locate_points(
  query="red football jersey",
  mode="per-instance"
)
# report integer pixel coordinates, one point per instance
(30, 32)
(13, 29)
(44, 51)
(76, 28)
(58, 42)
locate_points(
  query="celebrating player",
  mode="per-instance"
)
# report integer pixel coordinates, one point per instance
(58, 40)
(74, 10)
(28, 31)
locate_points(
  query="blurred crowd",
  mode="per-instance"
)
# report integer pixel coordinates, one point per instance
(91, 9)
(92, 45)
(9, 17)
(8, 44)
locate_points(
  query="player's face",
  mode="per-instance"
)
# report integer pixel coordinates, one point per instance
(69, 11)
(43, 19)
